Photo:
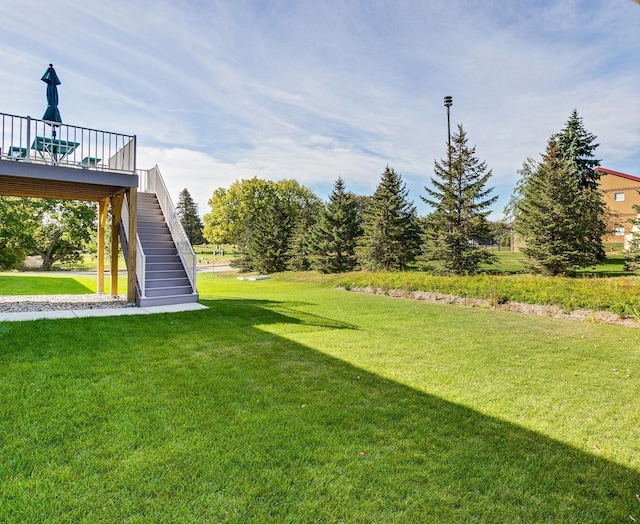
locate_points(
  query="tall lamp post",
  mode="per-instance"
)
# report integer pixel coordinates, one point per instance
(448, 102)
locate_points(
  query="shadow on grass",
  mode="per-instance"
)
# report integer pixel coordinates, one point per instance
(609, 267)
(203, 415)
(254, 309)
(41, 285)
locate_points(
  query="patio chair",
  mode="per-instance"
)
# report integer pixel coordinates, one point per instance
(17, 153)
(89, 161)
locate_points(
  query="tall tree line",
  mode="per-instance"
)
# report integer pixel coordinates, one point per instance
(557, 208)
(283, 225)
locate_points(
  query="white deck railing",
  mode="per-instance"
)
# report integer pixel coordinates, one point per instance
(151, 181)
(26, 139)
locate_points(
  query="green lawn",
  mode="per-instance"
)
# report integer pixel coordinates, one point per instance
(512, 262)
(291, 401)
(43, 283)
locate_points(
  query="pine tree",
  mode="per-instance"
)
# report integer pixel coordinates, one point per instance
(333, 239)
(576, 143)
(632, 256)
(559, 212)
(577, 147)
(301, 249)
(391, 237)
(459, 222)
(268, 245)
(187, 211)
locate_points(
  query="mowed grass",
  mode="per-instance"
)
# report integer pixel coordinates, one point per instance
(49, 284)
(289, 400)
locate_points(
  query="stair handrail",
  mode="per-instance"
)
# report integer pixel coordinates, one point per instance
(154, 183)
(141, 258)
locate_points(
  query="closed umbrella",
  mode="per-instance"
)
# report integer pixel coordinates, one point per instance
(52, 114)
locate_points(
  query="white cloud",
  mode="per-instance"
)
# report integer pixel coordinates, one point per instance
(217, 91)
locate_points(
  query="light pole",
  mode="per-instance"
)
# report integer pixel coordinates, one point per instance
(448, 102)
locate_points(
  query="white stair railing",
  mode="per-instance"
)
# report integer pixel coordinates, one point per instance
(141, 259)
(153, 183)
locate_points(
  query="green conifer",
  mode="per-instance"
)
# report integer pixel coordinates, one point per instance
(334, 237)
(391, 235)
(187, 211)
(453, 231)
(559, 212)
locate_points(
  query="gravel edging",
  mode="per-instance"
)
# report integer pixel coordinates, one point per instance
(31, 303)
(584, 315)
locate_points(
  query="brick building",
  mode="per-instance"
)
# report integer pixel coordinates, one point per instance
(620, 194)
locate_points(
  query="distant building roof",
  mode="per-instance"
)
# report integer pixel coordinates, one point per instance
(617, 173)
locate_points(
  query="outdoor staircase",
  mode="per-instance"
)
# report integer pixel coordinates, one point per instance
(166, 280)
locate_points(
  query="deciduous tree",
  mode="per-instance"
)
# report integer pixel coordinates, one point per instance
(259, 216)
(13, 214)
(57, 231)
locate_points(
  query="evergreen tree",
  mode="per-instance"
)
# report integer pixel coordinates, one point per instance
(335, 235)
(560, 214)
(632, 256)
(575, 143)
(453, 231)
(268, 245)
(301, 248)
(577, 147)
(391, 237)
(187, 211)
(547, 217)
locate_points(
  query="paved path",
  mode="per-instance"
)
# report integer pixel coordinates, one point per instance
(84, 313)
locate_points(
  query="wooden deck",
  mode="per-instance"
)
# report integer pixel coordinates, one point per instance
(33, 180)
(29, 179)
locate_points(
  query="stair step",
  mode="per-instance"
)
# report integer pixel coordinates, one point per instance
(164, 240)
(168, 283)
(159, 222)
(164, 259)
(163, 301)
(163, 262)
(164, 268)
(149, 238)
(165, 273)
(161, 251)
(168, 291)
(154, 229)
(148, 247)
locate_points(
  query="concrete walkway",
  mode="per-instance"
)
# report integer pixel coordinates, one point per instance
(113, 312)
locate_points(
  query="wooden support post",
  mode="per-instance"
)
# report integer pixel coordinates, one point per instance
(103, 207)
(133, 243)
(116, 218)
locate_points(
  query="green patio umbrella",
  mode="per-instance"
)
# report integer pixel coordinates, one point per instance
(52, 114)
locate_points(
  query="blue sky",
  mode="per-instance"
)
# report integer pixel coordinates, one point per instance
(220, 90)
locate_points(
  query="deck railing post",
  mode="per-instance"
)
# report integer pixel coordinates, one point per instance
(28, 145)
(134, 154)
